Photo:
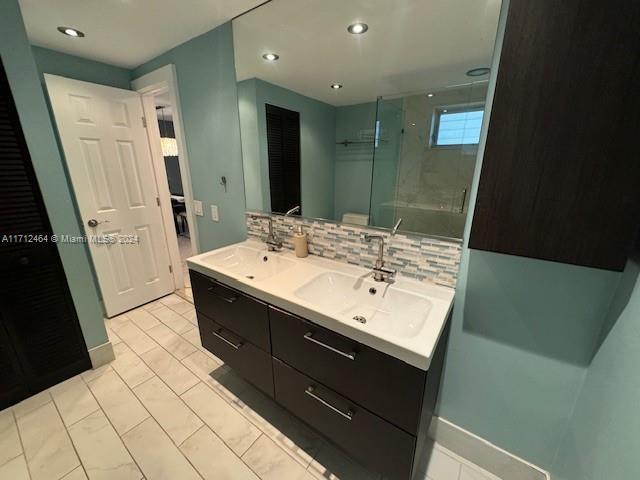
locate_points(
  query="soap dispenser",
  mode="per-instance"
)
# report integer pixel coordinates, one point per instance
(300, 242)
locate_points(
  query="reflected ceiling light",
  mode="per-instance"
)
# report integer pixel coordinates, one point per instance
(478, 72)
(336, 86)
(429, 95)
(72, 32)
(271, 57)
(357, 28)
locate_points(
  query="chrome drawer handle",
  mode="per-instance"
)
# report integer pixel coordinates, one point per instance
(348, 414)
(226, 299)
(309, 336)
(217, 333)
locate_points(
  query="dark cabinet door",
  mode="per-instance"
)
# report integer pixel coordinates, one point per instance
(560, 174)
(244, 357)
(240, 313)
(12, 387)
(365, 436)
(390, 388)
(40, 334)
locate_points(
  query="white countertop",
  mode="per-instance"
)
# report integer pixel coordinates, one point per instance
(416, 348)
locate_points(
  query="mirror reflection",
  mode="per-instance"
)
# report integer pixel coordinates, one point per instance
(364, 111)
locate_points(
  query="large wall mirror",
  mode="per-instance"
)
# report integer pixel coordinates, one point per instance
(364, 111)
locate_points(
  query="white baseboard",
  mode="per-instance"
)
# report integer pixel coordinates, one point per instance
(101, 355)
(483, 453)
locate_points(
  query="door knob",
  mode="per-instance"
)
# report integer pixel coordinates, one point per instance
(93, 223)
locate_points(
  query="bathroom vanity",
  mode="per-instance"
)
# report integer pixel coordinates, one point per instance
(357, 360)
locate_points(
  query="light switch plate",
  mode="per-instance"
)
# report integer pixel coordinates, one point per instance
(197, 208)
(214, 213)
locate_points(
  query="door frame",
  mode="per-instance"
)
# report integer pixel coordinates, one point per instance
(161, 80)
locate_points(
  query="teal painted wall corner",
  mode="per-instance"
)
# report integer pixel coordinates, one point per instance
(70, 66)
(317, 145)
(603, 435)
(208, 96)
(24, 79)
(523, 334)
(354, 163)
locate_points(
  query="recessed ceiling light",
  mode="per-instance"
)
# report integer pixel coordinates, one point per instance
(271, 57)
(336, 86)
(429, 95)
(478, 72)
(357, 28)
(72, 32)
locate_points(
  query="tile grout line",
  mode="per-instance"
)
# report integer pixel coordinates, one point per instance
(230, 403)
(66, 430)
(235, 406)
(24, 452)
(180, 397)
(205, 424)
(113, 426)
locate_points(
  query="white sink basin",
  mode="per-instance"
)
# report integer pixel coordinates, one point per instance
(249, 263)
(383, 308)
(404, 319)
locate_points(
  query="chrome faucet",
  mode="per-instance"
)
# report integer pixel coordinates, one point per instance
(274, 244)
(380, 273)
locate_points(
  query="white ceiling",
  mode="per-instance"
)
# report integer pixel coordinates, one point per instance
(411, 45)
(125, 33)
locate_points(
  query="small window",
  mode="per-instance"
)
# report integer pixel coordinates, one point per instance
(456, 126)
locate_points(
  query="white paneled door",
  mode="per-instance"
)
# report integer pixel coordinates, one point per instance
(107, 152)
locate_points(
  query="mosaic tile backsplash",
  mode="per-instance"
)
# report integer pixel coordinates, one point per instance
(424, 258)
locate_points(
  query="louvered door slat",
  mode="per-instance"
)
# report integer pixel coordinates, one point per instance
(40, 339)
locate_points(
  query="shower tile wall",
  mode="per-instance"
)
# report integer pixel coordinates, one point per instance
(424, 258)
(431, 182)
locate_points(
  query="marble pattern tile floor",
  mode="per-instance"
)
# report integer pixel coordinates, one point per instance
(166, 408)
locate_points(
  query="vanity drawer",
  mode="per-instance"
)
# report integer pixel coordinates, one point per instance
(240, 313)
(253, 364)
(368, 438)
(385, 385)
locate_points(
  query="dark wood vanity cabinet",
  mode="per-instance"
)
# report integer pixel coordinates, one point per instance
(560, 177)
(375, 407)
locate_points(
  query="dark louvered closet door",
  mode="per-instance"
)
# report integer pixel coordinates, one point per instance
(40, 336)
(283, 146)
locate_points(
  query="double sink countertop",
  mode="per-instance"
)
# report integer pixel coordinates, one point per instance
(404, 319)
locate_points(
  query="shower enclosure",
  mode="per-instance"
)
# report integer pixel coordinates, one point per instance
(424, 158)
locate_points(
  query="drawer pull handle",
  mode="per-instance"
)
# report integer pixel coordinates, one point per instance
(226, 299)
(310, 391)
(218, 333)
(309, 336)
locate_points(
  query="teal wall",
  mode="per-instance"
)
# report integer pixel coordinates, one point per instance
(522, 337)
(24, 79)
(317, 144)
(257, 197)
(603, 438)
(523, 334)
(208, 97)
(353, 164)
(57, 63)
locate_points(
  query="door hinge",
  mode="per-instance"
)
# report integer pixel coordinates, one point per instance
(170, 269)
(144, 122)
(158, 200)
